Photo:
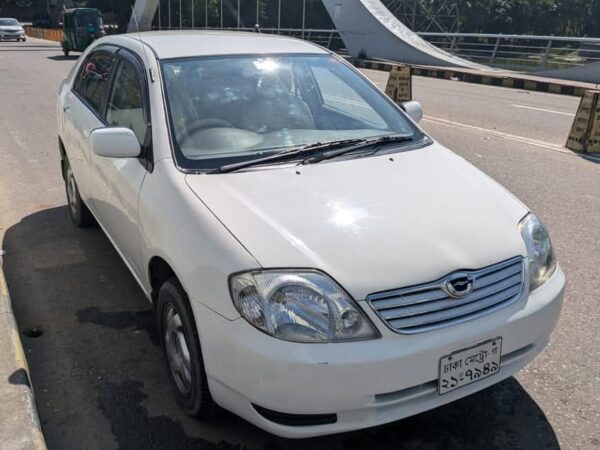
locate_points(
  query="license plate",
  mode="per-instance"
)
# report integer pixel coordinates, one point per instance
(469, 365)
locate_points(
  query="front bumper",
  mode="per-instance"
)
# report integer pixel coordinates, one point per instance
(365, 383)
(19, 35)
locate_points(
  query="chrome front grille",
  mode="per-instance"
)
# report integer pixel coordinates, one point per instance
(429, 306)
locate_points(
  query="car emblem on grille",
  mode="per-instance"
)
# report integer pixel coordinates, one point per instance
(459, 285)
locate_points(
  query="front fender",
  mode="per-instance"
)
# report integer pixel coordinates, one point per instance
(179, 228)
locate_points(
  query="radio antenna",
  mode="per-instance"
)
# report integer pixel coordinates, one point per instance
(146, 57)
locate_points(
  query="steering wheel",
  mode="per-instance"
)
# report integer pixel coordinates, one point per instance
(204, 124)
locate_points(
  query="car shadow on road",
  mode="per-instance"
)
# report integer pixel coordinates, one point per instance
(99, 376)
(592, 157)
(23, 50)
(18, 46)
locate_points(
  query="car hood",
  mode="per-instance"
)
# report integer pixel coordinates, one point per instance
(372, 224)
(10, 28)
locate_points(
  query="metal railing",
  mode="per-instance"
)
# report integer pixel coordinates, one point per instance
(520, 52)
(508, 51)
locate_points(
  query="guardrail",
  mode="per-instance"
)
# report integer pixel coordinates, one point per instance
(44, 33)
(521, 52)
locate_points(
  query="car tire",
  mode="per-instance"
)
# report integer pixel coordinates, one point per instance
(79, 212)
(182, 351)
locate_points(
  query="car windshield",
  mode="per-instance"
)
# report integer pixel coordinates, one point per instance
(225, 110)
(8, 22)
(86, 19)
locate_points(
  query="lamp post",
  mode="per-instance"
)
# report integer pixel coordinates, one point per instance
(303, 16)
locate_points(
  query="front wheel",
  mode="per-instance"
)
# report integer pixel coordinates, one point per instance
(79, 212)
(181, 347)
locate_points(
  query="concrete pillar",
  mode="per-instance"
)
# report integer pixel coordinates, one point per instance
(143, 11)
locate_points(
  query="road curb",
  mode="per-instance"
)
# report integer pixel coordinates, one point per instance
(20, 427)
(501, 79)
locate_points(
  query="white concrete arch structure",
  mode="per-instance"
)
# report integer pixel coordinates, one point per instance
(369, 28)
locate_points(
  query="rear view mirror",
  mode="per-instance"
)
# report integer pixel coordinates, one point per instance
(414, 110)
(115, 143)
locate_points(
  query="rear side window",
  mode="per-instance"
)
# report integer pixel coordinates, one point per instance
(125, 105)
(94, 77)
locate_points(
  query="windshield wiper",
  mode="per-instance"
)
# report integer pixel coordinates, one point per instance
(287, 154)
(375, 142)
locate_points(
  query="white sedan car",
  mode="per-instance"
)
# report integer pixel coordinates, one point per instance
(316, 261)
(11, 29)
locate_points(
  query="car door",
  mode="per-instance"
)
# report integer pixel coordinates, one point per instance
(117, 181)
(83, 111)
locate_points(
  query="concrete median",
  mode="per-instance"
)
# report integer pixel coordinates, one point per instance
(499, 78)
(20, 427)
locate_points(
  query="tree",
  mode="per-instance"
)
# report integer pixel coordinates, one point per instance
(542, 17)
(4, 3)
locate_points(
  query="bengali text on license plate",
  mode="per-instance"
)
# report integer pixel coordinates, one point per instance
(469, 365)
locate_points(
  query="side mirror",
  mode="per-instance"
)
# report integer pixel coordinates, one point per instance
(115, 143)
(414, 110)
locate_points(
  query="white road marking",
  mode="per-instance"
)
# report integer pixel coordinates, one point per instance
(510, 137)
(544, 110)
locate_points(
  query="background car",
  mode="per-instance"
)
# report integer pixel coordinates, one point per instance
(11, 29)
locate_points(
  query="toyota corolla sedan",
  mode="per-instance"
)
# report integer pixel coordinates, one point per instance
(11, 29)
(316, 261)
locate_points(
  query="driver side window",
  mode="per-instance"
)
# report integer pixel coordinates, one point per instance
(125, 105)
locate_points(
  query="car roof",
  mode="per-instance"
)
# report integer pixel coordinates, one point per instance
(181, 44)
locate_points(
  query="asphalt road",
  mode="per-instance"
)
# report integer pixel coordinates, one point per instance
(96, 368)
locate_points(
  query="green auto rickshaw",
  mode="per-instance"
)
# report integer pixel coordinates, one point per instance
(81, 27)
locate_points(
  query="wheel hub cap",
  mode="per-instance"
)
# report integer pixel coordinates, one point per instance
(177, 350)
(72, 192)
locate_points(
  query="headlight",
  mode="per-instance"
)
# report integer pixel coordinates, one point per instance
(299, 306)
(540, 256)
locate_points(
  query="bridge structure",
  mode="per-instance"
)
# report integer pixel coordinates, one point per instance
(375, 29)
